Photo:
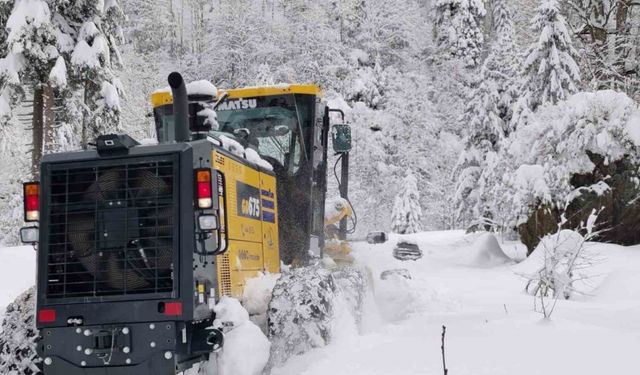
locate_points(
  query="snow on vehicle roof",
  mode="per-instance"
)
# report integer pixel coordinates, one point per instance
(202, 87)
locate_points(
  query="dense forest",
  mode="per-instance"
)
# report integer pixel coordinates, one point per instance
(509, 115)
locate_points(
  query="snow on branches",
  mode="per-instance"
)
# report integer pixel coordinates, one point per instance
(550, 71)
(459, 29)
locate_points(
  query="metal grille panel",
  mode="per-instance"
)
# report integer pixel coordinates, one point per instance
(224, 274)
(111, 228)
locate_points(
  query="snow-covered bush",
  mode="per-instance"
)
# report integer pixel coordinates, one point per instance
(302, 309)
(18, 337)
(561, 265)
(406, 216)
(586, 147)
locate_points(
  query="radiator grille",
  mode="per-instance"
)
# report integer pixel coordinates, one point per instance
(224, 274)
(111, 228)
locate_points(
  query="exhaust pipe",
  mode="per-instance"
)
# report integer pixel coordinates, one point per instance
(180, 107)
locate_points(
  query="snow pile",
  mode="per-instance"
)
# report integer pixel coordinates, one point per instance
(246, 349)
(563, 242)
(257, 292)
(566, 260)
(202, 87)
(17, 272)
(248, 154)
(232, 146)
(210, 118)
(253, 156)
(393, 297)
(487, 252)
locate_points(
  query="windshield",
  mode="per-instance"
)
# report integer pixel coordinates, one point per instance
(277, 127)
(271, 125)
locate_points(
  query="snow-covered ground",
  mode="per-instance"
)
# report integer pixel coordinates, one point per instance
(17, 273)
(491, 326)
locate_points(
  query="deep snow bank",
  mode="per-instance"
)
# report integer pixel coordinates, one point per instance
(17, 272)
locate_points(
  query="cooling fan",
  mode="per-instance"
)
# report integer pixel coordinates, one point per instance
(126, 241)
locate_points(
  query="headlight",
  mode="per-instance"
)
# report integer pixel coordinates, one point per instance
(208, 222)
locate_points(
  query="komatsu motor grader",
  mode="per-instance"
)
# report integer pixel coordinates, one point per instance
(136, 243)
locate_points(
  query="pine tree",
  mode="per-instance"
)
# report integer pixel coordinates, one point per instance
(487, 131)
(92, 30)
(407, 213)
(64, 53)
(459, 29)
(550, 71)
(30, 54)
(502, 63)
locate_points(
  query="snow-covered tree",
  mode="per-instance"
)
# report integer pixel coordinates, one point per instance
(459, 29)
(503, 61)
(29, 57)
(406, 216)
(62, 52)
(91, 31)
(486, 131)
(550, 70)
(487, 116)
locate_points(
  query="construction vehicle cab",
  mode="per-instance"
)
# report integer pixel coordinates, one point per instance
(288, 126)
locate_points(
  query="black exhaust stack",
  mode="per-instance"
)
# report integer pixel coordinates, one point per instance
(180, 107)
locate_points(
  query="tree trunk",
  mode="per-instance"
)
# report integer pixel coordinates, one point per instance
(49, 119)
(84, 140)
(38, 131)
(42, 124)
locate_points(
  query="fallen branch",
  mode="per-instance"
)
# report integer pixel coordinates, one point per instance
(444, 363)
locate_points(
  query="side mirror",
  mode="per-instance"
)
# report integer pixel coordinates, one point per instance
(29, 235)
(341, 138)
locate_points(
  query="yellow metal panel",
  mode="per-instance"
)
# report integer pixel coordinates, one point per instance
(252, 224)
(245, 256)
(252, 92)
(231, 283)
(160, 98)
(269, 203)
(243, 198)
